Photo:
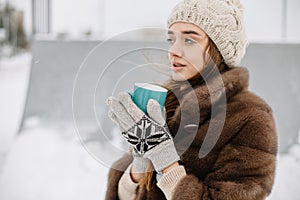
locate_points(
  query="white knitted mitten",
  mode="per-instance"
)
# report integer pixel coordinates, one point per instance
(148, 135)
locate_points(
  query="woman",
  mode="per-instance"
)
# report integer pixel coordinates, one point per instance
(207, 40)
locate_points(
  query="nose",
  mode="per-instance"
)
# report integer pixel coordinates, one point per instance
(176, 50)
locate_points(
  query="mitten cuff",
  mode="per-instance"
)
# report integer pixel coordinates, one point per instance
(140, 165)
(163, 155)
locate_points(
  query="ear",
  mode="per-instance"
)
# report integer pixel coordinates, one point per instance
(207, 57)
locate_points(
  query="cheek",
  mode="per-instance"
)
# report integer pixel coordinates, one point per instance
(195, 58)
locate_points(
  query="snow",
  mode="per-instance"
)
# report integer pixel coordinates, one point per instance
(45, 165)
(44, 162)
(14, 76)
(288, 173)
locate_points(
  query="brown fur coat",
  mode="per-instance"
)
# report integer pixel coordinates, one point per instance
(241, 166)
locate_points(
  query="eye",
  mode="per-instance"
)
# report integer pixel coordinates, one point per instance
(189, 41)
(170, 41)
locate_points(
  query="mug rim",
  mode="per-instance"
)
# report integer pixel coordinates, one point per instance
(150, 86)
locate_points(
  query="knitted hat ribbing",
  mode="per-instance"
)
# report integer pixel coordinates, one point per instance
(221, 20)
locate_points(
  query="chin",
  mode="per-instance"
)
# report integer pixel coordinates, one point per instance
(185, 76)
(178, 77)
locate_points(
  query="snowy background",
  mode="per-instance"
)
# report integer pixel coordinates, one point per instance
(49, 162)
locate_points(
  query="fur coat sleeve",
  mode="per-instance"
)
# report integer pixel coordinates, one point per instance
(244, 168)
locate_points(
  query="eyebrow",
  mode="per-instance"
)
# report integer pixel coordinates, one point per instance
(185, 32)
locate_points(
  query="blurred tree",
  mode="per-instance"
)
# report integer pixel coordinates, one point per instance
(11, 21)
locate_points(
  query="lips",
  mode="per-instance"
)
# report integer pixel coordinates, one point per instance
(177, 66)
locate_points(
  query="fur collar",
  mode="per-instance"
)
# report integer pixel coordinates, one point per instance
(198, 100)
(229, 83)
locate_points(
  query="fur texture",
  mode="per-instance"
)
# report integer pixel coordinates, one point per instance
(241, 165)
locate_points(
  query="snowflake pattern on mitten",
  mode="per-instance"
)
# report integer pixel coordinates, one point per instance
(146, 134)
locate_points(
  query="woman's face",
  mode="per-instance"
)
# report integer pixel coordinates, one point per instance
(188, 50)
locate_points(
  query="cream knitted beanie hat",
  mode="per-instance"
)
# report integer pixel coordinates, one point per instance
(221, 20)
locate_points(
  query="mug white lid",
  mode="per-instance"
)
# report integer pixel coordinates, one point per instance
(150, 86)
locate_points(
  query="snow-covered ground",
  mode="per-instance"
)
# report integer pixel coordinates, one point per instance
(44, 163)
(287, 185)
(14, 76)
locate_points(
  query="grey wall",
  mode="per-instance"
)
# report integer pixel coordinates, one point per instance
(53, 70)
(106, 69)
